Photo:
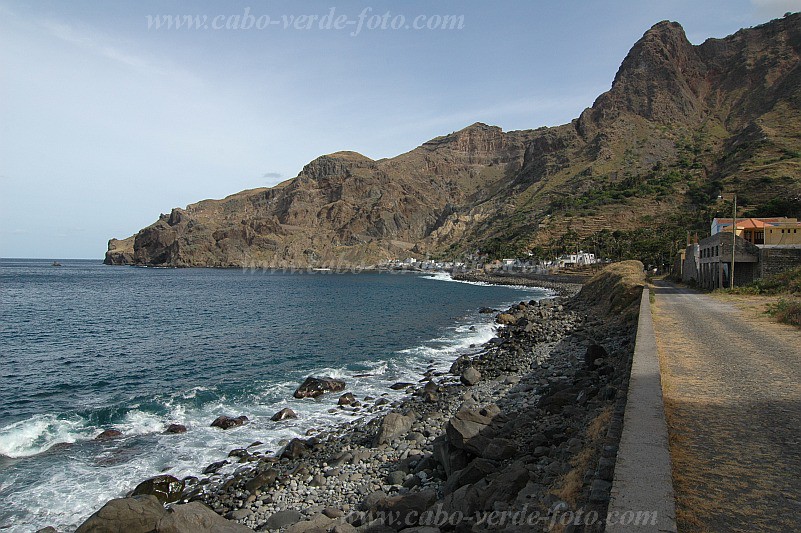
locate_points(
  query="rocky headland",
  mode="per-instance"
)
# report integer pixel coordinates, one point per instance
(520, 435)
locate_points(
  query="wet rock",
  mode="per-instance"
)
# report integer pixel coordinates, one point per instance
(109, 434)
(487, 310)
(227, 422)
(347, 399)
(393, 425)
(401, 385)
(284, 414)
(213, 467)
(175, 429)
(165, 488)
(313, 387)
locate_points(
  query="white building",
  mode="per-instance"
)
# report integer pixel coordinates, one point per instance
(579, 259)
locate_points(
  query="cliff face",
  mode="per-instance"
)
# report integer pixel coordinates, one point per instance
(679, 118)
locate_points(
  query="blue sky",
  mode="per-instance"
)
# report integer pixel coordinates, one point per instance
(105, 123)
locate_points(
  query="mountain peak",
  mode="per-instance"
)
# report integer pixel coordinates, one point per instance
(656, 79)
(665, 27)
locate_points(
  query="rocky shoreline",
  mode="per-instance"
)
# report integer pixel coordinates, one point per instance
(520, 435)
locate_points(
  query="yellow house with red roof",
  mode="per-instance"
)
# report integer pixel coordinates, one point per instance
(774, 231)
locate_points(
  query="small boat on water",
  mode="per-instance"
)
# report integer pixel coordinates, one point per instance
(56, 264)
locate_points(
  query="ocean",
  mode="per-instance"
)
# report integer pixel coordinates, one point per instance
(87, 347)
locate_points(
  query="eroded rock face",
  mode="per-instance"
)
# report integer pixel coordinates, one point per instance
(314, 387)
(120, 252)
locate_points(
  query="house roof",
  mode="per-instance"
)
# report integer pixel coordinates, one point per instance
(761, 219)
(753, 223)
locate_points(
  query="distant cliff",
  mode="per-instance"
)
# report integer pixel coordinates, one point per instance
(680, 123)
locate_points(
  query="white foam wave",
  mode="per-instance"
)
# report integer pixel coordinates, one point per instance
(445, 276)
(39, 433)
(138, 422)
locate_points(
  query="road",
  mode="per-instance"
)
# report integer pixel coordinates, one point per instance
(732, 390)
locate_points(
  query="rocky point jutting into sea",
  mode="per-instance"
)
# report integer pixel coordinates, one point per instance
(680, 123)
(517, 436)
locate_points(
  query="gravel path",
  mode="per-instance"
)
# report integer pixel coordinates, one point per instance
(732, 389)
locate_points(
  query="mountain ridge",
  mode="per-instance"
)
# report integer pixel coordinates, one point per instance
(679, 123)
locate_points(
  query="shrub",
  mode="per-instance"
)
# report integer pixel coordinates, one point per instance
(787, 311)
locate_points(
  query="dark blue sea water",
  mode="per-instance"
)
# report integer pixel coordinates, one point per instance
(86, 347)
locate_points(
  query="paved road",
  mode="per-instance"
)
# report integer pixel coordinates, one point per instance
(732, 390)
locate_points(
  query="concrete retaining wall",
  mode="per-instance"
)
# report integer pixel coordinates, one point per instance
(642, 491)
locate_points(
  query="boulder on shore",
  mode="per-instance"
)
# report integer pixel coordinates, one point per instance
(470, 376)
(393, 426)
(227, 422)
(145, 514)
(284, 414)
(314, 387)
(467, 430)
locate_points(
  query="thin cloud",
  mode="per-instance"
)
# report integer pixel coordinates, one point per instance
(95, 43)
(272, 176)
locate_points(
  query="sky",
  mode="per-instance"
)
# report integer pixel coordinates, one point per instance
(108, 119)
